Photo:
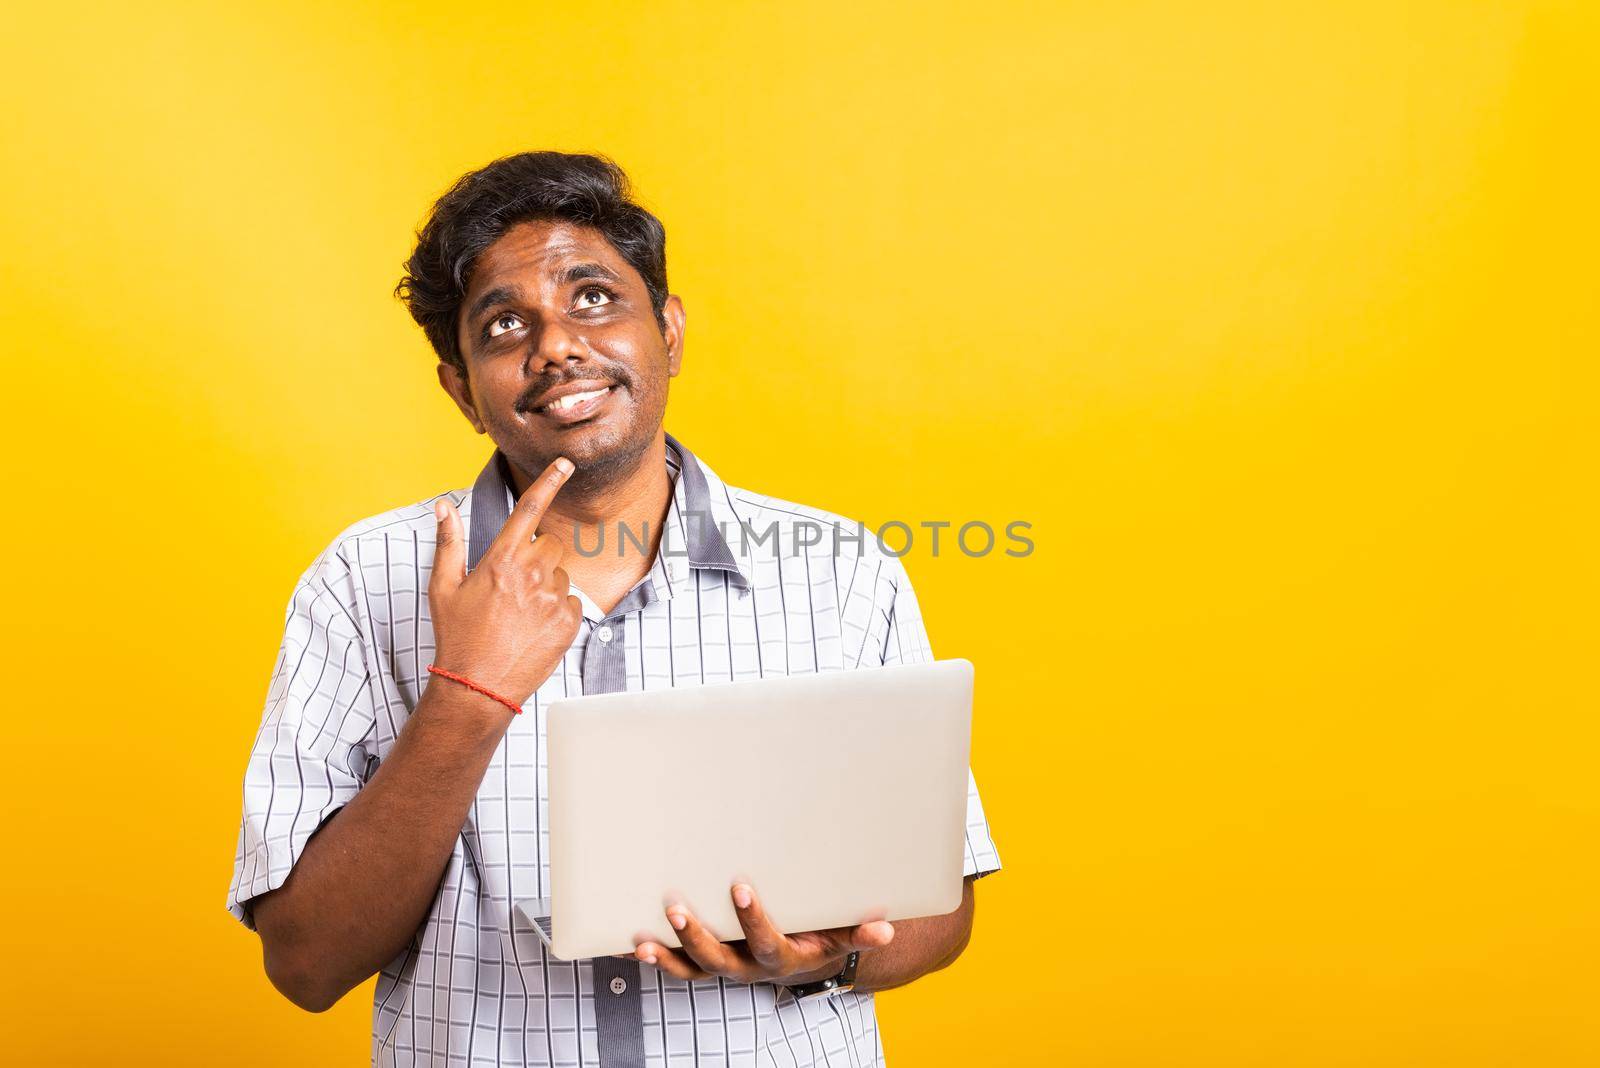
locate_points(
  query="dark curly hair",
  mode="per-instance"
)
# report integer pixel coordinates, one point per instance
(483, 204)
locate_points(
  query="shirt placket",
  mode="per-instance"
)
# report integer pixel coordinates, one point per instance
(618, 1006)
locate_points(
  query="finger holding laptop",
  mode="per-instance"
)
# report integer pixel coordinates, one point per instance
(766, 954)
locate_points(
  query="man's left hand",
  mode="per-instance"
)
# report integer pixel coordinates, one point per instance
(765, 955)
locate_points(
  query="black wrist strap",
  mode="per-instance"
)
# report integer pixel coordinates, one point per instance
(845, 979)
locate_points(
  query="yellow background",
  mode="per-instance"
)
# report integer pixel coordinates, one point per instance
(1276, 320)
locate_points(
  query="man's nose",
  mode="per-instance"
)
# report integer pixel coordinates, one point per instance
(557, 344)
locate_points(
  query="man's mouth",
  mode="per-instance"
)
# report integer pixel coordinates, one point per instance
(573, 405)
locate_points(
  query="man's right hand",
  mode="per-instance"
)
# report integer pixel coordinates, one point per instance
(508, 624)
(358, 893)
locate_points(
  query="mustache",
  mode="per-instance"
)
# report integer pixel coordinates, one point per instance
(617, 375)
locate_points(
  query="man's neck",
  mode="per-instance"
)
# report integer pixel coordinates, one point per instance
(636, 503)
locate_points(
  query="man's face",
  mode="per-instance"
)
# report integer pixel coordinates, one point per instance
(564, 354)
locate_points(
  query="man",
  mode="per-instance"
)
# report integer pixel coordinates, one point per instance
(394, 814)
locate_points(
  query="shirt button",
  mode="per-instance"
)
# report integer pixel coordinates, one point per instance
(604, 634)
(619, 985)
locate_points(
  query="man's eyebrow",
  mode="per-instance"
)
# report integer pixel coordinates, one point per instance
(579, 272)
(489, 300)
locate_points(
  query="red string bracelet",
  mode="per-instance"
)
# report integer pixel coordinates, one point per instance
(463, 680)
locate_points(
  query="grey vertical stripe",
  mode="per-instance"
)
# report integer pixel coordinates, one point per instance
(491, 507)
(619, 1017)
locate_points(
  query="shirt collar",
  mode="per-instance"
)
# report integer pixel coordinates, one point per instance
(697, 512)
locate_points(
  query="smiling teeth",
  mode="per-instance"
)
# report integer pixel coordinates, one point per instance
(572, 399)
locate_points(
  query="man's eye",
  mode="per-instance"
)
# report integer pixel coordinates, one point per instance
(593, 298)
(502, 323)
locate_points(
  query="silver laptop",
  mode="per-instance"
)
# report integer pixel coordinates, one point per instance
(841, 797)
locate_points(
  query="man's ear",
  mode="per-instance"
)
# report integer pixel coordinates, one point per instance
(672, 312)
(455, 383)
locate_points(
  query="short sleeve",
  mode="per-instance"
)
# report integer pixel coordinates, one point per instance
(906, 642)
(315, 746)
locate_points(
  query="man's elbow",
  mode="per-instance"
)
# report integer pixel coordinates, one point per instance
(963, 936)
(296, 978)
(965, 916)
(293, 963)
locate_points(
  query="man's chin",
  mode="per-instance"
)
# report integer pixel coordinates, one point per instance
(601, 454)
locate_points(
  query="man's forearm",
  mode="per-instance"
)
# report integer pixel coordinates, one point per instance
(365, 881)
(920, 946)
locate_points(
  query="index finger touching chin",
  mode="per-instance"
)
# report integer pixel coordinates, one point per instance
(535, 499)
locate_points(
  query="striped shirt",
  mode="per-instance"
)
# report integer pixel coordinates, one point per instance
(741, 586)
